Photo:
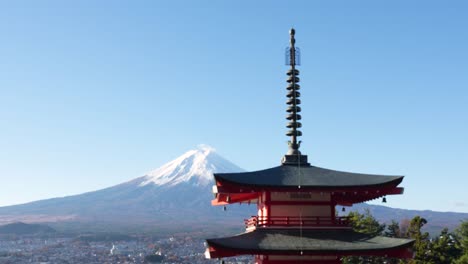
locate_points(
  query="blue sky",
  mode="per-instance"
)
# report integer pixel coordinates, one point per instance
(94, 94)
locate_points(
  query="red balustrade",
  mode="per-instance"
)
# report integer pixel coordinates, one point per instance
(304, 221)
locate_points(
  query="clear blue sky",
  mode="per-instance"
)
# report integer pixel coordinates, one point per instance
(94, 94)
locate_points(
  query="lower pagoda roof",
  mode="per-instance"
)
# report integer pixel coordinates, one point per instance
(343, 242)
(306, 176)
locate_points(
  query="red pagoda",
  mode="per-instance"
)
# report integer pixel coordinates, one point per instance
(297, 221)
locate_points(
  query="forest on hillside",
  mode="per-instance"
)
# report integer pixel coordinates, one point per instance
(445, 248)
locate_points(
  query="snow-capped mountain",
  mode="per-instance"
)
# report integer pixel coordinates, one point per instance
(178, 191)
(195, 166)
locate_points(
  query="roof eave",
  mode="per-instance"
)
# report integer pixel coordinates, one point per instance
(216, 250)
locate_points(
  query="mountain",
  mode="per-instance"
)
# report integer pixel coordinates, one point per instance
(176, 195)
(195, 167)
(173, 197)
(25, 229)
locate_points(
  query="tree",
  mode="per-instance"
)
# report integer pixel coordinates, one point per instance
(462, 260)
(404, 225)
(367, 224)
(421, 245)
(393, 230)
(445, 248)
(462, 236)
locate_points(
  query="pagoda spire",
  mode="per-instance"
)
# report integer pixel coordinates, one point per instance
(293, 156)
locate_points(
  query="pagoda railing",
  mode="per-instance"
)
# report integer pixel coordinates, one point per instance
(304, 221)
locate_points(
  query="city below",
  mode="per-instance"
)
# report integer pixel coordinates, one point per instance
(104, 248)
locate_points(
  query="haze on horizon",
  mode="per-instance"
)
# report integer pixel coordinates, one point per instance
(95, 94)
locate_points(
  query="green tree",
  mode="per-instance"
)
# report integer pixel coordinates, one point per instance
(367, 224)
(422, 244)
(445, 248)
(393, 230)
(462, 236)
(462, 260)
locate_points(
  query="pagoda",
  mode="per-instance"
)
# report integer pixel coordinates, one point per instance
(297, 221)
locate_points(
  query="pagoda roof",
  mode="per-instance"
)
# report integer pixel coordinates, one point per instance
(309, 242)
(306, 176)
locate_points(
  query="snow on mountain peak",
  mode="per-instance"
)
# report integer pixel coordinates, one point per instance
(205, 148)
(195, 167)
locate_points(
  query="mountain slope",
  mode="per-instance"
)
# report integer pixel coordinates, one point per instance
(25, 229)
(179, 191)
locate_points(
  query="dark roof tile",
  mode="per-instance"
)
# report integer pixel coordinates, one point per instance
(311, 240)
(288, 176)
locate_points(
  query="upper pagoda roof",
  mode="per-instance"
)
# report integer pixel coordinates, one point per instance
(306, 176)
(295, 241)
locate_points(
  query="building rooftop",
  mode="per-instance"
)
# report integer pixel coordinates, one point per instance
(308, 242)
(306, 176)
